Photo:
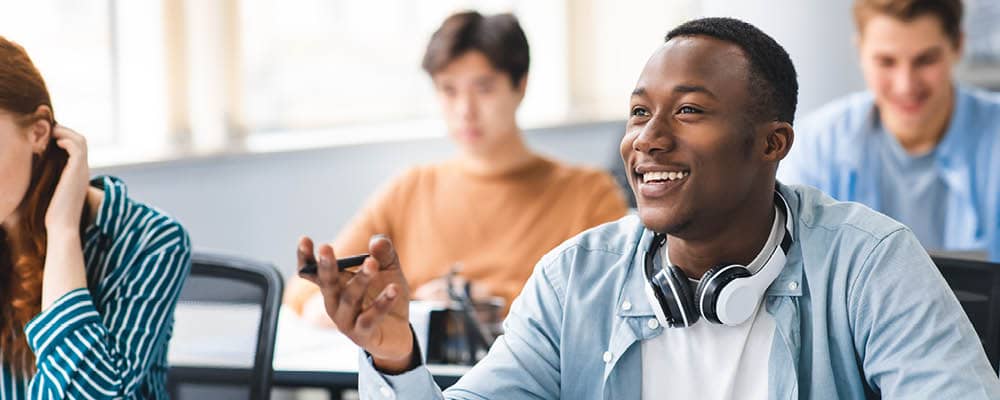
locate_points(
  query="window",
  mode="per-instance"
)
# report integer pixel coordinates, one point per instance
(314, 63)
(158, 79)
(103, 64)
(981, 66)
(70, 43)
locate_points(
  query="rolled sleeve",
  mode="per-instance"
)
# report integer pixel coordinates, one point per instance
(70, 313)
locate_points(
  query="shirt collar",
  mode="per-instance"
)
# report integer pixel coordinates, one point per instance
(110, 215)
(949, 153)
(632, 300)
(789, 281)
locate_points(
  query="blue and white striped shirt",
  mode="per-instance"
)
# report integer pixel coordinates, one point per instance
(110, 340)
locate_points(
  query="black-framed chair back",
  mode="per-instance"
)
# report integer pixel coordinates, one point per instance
(219, 278)
(977, 286)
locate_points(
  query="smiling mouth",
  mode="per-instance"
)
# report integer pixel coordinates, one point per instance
(662, 176)
(657, 184)
(909, 104)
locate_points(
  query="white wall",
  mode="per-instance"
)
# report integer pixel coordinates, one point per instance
(258, 205)
(818, 35)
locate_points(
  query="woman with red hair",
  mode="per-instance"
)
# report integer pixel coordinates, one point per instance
(88, 277)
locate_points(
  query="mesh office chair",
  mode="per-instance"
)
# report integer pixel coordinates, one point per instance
(977, 286)
(223, 297)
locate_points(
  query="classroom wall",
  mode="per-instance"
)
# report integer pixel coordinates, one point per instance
(257, 205)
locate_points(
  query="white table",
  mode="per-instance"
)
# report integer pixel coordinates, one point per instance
(223, 337)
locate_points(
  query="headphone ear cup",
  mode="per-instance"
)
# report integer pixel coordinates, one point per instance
(707, 276)
(706, 296)
(685, 302)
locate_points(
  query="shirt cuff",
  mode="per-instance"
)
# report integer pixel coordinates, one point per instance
(71, 311)
(417, 383)
(416, 380)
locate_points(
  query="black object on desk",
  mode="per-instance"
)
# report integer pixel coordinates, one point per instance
(977, 286)
(462, 332)
(342, 264)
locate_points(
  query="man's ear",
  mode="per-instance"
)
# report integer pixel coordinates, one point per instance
(40, 130)
(779, 140)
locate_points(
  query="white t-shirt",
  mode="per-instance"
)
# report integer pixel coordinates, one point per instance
(709, 361)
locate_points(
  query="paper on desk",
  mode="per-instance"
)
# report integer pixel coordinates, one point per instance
(302, 346)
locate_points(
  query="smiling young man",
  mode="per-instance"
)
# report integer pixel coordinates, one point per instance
(915, 146)
(835, 302)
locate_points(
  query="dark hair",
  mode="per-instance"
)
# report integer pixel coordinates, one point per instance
(949, 12)
(499, 37)
(772, 80)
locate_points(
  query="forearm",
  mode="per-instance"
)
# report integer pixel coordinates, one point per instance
(72, 352)
(64, 266)
(403, 364)
(72, 338)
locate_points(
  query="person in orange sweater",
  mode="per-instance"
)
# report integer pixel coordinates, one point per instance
(497, 207)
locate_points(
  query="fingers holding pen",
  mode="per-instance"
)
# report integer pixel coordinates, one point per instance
(351, 296)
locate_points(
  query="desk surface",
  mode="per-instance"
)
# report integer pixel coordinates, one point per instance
(224, 336)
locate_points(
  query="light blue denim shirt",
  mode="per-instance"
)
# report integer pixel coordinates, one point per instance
(836, 150)
(860, 312)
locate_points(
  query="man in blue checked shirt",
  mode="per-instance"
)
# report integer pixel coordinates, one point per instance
(726, 285)
(915, 146)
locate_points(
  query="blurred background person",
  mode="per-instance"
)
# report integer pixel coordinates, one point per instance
(495, 208)
(917, 146)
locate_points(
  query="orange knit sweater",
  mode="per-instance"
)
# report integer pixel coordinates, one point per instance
(496, 226)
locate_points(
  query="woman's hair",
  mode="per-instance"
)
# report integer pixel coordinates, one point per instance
(22, 252)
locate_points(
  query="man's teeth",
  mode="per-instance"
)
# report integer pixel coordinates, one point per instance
(664, 176)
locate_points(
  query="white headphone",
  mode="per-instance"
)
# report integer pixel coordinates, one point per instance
(728, 294)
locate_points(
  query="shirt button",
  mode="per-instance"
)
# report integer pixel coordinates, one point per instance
(607, 356)
(626, 305)
(653, 323)
(793, 285)
(386, 392)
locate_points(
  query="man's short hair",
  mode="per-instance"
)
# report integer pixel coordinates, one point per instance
(498, 37)
(949, 12)
(773, 85)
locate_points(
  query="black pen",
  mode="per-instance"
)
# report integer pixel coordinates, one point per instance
(342, 264)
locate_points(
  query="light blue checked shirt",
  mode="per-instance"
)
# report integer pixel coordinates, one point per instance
(950, 197)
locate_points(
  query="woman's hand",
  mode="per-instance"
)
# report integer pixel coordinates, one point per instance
(64, 264)
(66, 207)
